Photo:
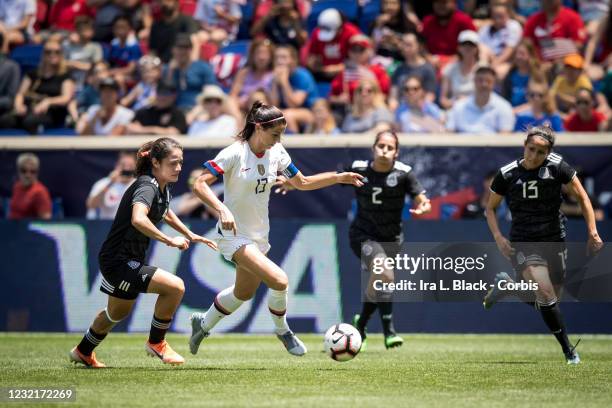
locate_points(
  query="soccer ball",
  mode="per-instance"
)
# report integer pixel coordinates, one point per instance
(342, 342)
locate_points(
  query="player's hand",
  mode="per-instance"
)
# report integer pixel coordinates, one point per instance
(594, 244)
(283, 186)
(423, 208)
(504, 247)
(181, 243)
(350, 178)
(198, 238)
(227, 220)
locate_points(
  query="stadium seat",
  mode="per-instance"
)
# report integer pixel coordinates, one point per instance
(27, 56)
(13, 132)
(59, 132)
(368, 14)
(349, 8)
(236, 47)
(57, 208)
(248, 11)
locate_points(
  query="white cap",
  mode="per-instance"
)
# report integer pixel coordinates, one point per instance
(329, 22)
(468, 36)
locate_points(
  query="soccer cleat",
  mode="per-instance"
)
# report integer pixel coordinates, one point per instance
(494, 294)
(361, 329)
(292, 343)
(88, 361)
(164, 352)
(197, 333)
(572, 356)
(393, 340)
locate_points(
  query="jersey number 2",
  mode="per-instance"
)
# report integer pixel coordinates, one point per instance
(376, 191)
(261, 185)
(530, 189)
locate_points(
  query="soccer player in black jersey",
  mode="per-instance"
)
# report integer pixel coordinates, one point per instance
(532, 188)
(122, 257)
(379, 221)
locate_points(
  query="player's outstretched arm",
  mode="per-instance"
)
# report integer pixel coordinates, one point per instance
(322, 180)
(577, 190)
(502, 243)
(175, 222)
(423, 205)
(201, 188)
(142, 223)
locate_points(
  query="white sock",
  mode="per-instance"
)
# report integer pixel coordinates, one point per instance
(277, 304)
(225, 303)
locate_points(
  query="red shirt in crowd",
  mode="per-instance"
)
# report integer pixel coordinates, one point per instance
(557, 38)
(352, 78)
(29, 202)
(334, 51)
(442, 39)
(63, 13)
(573, 123)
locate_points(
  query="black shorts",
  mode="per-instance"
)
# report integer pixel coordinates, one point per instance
(125, 280)
(553, 255)
(367, 248)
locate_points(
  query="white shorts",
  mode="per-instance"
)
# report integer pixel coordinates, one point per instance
(230, 244)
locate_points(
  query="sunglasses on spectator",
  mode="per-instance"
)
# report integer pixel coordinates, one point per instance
(366, 91)
(50, 51)
(357, 49)
(412, 88)
(28, 171)
(535, 95)
(583, 102)
(212, 100)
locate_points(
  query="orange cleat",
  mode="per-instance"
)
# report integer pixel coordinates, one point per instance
(164, 352)
(88, 361)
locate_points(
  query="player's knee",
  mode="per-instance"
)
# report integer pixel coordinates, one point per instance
(244, 295)
(179, 287)
(280, 282)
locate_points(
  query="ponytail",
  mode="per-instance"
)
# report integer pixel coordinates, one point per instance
(267, 116)
(155, 149)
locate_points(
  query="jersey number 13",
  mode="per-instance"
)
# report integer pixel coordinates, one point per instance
(530, 189)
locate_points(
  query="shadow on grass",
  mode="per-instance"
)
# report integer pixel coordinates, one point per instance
(167, 368)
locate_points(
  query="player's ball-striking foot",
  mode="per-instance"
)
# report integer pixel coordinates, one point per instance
(362, 332)
(164, 352)
(88, 361)
(292, 343)
(495, 294)
(393, 340)
(197, 333)
(572, 356)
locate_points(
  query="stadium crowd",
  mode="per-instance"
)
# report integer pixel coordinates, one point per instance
(159, 67)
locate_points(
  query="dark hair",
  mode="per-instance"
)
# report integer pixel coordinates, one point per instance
(403, 24)
(587, 90)
(250, 63)
(292, 50)
(156, 149)
(123, 17)
(545, 132)
(83, 22)
(390, 133)
(267, 116)
(1, 40)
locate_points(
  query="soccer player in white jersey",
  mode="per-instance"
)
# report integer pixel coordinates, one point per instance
(249, 167)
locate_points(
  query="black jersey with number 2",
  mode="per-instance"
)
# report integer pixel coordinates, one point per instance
(534, 198)
(124, 242)
(381, 199)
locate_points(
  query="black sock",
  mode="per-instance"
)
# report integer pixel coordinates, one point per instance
(159, 327)
(90, 341)
(553, 319)
(385, 309)
(367, 310)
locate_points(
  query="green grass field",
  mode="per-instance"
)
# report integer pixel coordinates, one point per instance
(240, 370)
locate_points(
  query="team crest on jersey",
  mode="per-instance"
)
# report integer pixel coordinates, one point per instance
(520, 258)
(261, 169)
(392, 180)
(133, 264)
(366, 249)
(544, 173)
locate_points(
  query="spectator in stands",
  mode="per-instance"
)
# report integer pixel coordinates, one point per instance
(218, 20)
(501, 37)
(125, 50)
(108, 118)
(64, 15)
(44, 93)
(164, 31)
(258, 94)
(210, 117)
(327, 47)
(441, 30)
(606, 87)
(90, 94)
(541, 109)
(458, 76)
(356, 68)
(264, 7)
(484, 111)
(591, 12)
(417, 114)
(81, 52)
(598, 52)
(106, 12)
(293, 88)
(9, 84)
(414, 64)
(17, 22)
(323, 121)
(525, 66)
(368, 108)
(523, 9)
(256, 74)
(585, 118)
(476, 209)
(188, 205)
(283, 25)
(571, 208)
(163, 118)
(389, 28)
(143, 94)
(105, 195)
(556, 31)
(188, 76)
(566, 84)
(30, 198)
